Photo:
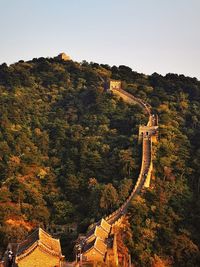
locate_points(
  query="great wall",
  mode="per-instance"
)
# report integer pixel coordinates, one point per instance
(95, 245)
(99, 247)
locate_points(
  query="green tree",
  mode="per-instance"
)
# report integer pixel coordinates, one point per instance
(109, 198)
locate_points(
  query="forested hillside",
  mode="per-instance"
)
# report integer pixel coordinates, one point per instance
(69, 154)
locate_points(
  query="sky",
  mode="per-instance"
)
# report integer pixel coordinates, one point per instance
(149, 36)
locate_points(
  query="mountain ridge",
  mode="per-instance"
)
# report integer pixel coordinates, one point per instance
(65, 144)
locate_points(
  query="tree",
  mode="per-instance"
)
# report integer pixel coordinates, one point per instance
(126, 161)
(63, 211)
(109, 198)
(125, 187)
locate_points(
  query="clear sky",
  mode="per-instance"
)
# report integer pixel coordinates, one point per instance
(147, 35)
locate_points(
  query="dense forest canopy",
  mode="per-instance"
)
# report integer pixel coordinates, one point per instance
(69, 154)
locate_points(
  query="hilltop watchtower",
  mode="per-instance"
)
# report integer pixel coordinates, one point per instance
(63, 56)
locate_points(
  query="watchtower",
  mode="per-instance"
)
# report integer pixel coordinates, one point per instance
(148, 131)
(115, 85)
(63, 56)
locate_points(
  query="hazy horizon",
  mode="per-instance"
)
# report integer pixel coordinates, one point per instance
(148, 36)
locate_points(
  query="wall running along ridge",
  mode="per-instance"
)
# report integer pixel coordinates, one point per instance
(147, 164)
(147, 135)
